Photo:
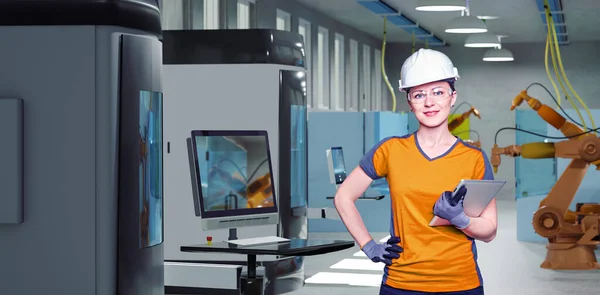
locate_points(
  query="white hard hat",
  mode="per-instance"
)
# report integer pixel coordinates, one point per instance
(425, 66)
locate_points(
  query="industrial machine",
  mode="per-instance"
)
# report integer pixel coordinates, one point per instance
(81, 150)
(572, 236)
(235, 80)
(337, 174)
(336, 165)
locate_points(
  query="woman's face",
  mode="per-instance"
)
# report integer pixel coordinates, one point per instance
(431, 103)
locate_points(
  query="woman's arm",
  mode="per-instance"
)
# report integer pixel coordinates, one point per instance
(484, 227)
(344, 201)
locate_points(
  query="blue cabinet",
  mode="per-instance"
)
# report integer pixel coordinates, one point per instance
(413, 123)
(533, 176)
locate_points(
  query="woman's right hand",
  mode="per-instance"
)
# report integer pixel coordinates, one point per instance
(383, 252)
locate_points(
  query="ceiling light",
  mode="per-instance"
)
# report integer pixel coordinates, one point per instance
(466, 25)
(441, 5)
(498, 54)
(482, 40)
(487, 17)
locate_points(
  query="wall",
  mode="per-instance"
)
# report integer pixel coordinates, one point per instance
(490, 87)
(172, 14)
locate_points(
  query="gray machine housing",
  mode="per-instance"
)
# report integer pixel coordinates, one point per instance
(215, 82)
(69, 70)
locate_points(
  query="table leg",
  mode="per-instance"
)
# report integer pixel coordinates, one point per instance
(254, 285)
(251, 266)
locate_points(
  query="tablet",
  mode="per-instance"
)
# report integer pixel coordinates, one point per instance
(479, 194)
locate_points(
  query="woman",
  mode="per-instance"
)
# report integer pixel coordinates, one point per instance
(421, 170)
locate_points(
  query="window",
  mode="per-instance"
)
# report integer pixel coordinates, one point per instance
(337, 91)
(195, 16)
(283, 20)
(243, 14)
(352, 84)
(322, 76)
(211, 14)
(172, 14)
(304, 30)
(151, 196)
(366, 79)
(377, 97)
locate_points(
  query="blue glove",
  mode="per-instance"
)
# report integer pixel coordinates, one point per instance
(451, 208)
(383, 252)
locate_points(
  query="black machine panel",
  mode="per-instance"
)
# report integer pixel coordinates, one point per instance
(140, 197)
(233, 47)
(135, 14)
(293, 151)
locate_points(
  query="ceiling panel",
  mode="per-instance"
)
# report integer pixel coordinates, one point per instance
(520, 20)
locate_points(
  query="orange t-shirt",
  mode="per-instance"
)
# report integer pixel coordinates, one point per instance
(435, 259)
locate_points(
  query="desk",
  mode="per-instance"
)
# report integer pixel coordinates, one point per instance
(295, 247)
(379, 185)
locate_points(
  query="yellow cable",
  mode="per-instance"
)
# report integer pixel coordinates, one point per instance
(385, 77)
(556, 73)
(548, 69)
(562, 86)
(550, 43)
(558, 78)
(558, 95)
(562, 69)
(568, 82)
(550, 40)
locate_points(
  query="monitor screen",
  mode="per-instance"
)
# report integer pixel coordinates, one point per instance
(233, 171)
(339, 166)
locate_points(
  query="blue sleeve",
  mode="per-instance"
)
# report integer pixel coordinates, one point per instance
(488, 173)
(374, 162)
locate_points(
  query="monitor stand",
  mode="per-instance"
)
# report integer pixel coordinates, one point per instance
(232, 234)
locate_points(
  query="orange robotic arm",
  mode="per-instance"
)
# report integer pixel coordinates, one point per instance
(454, 123)
(553, 118)
(259, 192)
(549, 115)
(572, 236)
(583, 152)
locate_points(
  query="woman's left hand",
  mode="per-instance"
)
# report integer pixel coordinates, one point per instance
(445, 208)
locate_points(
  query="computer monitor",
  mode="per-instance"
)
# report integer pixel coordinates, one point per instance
(337, 166)
(232, 178)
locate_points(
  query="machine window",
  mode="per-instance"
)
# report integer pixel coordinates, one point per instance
(150, 169)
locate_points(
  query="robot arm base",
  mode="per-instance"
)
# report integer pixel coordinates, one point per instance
(572, 257)
(571, 243)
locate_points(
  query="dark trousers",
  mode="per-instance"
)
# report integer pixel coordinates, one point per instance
(387, 290)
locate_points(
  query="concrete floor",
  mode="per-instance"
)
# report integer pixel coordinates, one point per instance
(508, 266)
